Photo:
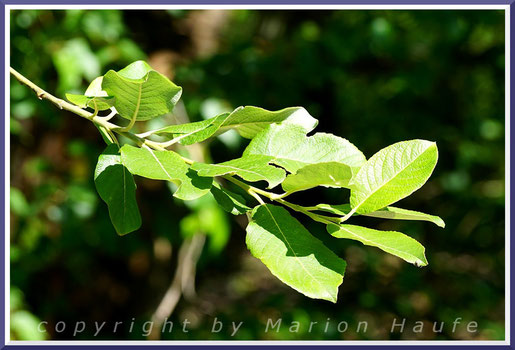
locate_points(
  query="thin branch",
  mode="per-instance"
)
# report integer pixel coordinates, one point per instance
(189, 254)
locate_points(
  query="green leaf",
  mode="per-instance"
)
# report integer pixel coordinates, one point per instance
(116, 187)
(94, 97)
(292, 149)
(190, 133)
(385, 213)
(292, 254)
(140, 92)
(230, 202)
(405, 214)
(392, 242)
(166, 165)
(249, 121)
(330, 174)
(391, 174)
(255, 168)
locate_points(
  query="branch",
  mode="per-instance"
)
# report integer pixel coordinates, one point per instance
(187, 259)
(142, 141)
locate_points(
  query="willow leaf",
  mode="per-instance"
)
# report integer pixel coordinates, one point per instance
(166, 165)
(230, 202)
(190, 133)
(392, 174)
(330, 174)
(248, 121)
(94, 97)
(291, 149)
(116, 187)
(252, 169)
(392, 242)
(292, 254)
(140, 92)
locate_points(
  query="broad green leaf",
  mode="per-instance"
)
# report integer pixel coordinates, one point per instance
(255, 168)
(330, 174)
(230, 202)
(392, 242)
(384, 213)
(94, 97)
(141, 92)
(391, 174)
(116, 187)
(166, 165)
(248, 121)
(292, 149)
(190, 133)
(292, 254)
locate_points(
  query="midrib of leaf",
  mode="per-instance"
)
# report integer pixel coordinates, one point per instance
(138, 102)
(376, 244)
(238, 169)
(393, 178)
(290, 247)
(158, 162)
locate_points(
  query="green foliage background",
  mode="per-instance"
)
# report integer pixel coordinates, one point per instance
(374, 77)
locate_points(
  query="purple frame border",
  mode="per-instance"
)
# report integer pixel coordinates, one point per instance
(3, 345)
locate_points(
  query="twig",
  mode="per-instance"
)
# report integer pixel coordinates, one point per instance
(189, 253)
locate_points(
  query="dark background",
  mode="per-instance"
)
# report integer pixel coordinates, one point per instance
(373, 77)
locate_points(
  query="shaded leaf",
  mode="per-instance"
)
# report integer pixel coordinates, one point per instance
(116, 187)
(230, 202)
(392, 174)
(292, 254)
(392, 242)
(141, 92)
(255, 168)
(330, 174)
(292, 149)
(166, 165)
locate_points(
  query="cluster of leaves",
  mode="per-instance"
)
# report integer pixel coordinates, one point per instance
(279, 153)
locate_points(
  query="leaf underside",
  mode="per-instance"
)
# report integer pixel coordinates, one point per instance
(140, 92)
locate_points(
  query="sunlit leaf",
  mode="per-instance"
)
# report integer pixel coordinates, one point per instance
(292, 254)
(292, 149)
(392, 174)
(330, 174)
(166, 165)
(140, 92)
(384, 213)
(250, 120)
(94, 97)
(255, 168)
(392, 242)
(190, 133)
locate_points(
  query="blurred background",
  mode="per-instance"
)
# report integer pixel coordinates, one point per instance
(373, 77)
